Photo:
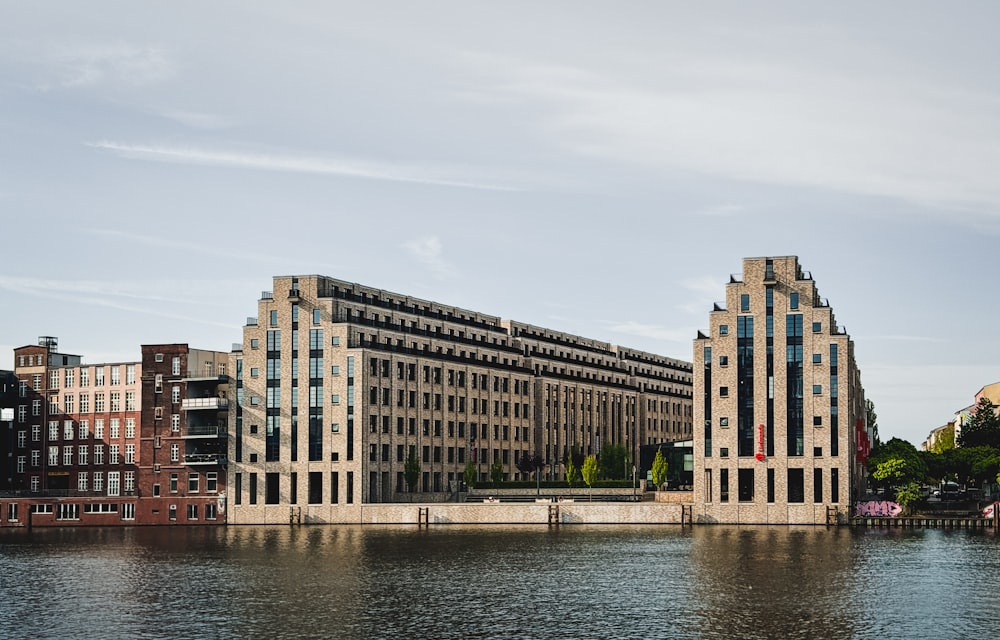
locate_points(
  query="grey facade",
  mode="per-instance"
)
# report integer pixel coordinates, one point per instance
(779, 406)
(338, 383)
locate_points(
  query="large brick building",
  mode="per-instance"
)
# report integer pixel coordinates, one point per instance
(86, 439)
(337, 384)
(779, 408)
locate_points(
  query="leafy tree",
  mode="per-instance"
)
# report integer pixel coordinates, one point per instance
(872, 421)
(589, 472)
(572, 471)
(411, 470)
(530, 463)
(983, 426)
(470, 475)
(915, 468)
(890, 472)
(945, 440)
(659, 469)
(614, 462)
(496, 471)
(907, 495)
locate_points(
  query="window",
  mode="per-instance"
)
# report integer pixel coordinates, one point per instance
(211, 482)
(130, 400)
(817, 358)
(68, 430)
(724, 452)
(724, 392)
(113, 454)
(745, 485)
(128, 482)
(68, 455)
(115, 398)
(36, 407)
(817, 421)
(723, 361)
(116, 375)
(724, 422)
(175, 394)
(254, 343)
(335, 341)
(796, 486)
(22, 439)
(723, 485)
(82, 454)
(175, 422)
(98, 457)
(744, 302)
(130, 374)
(192, 512)
(817, 327)
(99, 428)
(210, 511)
(193, 483)
(114, 483)
(723, 329)
(175, 453)
(129, 427)
(53, 430)
(115, 430)
(175, 366)
(128, 511)
(130, 454)
(817, 389)
(84, 403)
(793, 300)
(173, 483)
(68, 404)
(99, 377)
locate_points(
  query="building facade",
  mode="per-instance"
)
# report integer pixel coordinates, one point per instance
(779, 429)
(75, 454)
(338, 385)
(123, 443)
(185, 409)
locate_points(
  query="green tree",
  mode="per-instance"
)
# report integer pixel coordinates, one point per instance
(915, 468)
(907, 496)
(613, 462)
(572, 471)
(496, 471)
(589, 472)
(470, 475)
(659, 469)
(890, 472)
(872, 421)
(945, 440)
(411, 470)
(982, 427)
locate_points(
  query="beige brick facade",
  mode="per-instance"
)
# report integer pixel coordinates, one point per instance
(778, 398)
(374, 375)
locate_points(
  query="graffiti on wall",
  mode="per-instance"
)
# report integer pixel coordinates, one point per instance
(877, 508)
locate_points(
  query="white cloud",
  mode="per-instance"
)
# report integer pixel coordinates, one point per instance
(197, 120)
(652, 331)
(429, 252)
(786, 120)
(348, 167)
(91, 65)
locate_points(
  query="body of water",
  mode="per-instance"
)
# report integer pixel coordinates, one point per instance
(499, 582)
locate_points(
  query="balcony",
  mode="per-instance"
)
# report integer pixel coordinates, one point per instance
(204, 459)
(212, 403)
(206, 431)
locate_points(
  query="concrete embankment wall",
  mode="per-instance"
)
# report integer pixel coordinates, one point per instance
(523, 513)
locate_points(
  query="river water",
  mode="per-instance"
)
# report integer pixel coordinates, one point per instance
(499, 582)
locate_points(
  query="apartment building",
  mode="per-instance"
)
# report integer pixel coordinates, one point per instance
(185, 413)
(123, 443)
(338, 384)
(779, 429)
(75, 448)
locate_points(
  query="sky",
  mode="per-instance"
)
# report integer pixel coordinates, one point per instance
(599, 168)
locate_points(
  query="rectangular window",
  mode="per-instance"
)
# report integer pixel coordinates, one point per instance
(723, 485)
(211, 481)
(113, 454)
(114, 432)
(796, 486)
(793, 300)
(835, 485)
(708, 485)
(723, 329)
(253, 488)
(817, 485)
(98, 454)
(130, 374)
(770, 485)
(817, 358)
(745, 485)
(817, 389)
(271, 488)
(315, 487)
(116, 374)
(817, 327)
(173, 483)
(744, 302)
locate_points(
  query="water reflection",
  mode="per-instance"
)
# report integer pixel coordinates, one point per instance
(498, 582)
